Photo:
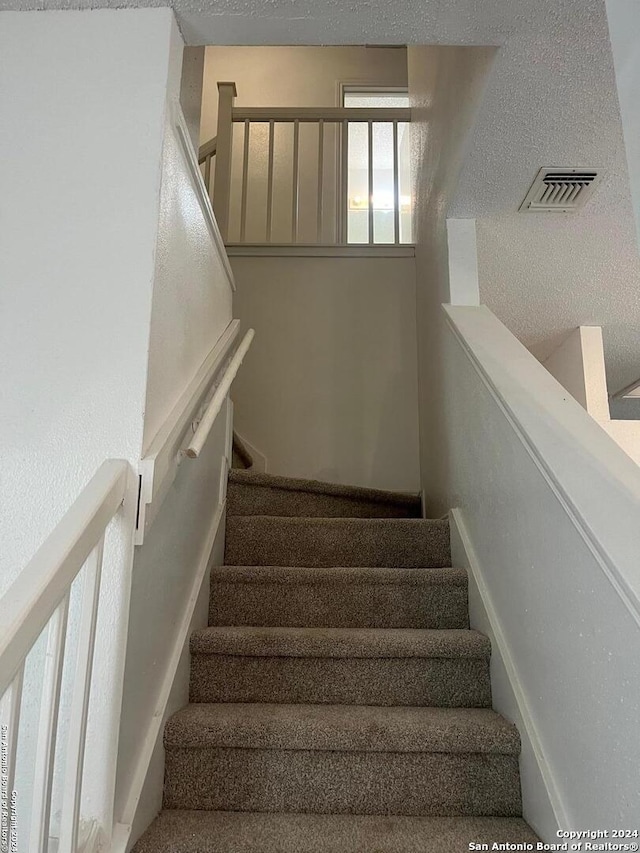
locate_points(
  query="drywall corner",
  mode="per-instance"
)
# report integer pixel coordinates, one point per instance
(463, 262)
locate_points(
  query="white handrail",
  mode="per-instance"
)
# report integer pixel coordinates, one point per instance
(159, 466)
(218, 398)
(33, 597)
(38, 600)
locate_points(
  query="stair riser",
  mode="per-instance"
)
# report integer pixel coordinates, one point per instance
(259, 500)
(256, 541)
(362, 606)
(342, 782)
(439, 682)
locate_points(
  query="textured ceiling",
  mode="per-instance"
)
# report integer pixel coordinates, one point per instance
(550, 101)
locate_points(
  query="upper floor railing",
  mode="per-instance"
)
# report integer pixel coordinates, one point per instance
(309, 175)
(54, 600)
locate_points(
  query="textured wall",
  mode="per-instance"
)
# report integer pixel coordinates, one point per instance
(191, 294)
(445, 88)
(76, 266)
(551, 101)
(557, 545)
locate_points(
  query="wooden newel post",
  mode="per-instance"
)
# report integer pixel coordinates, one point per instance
(222, 175)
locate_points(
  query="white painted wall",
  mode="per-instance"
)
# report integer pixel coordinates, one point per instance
(329, 388)
(464, 287)
(98, 323)
(77, 264)
(169, 599)
(578, 365)
(191, 308)
(624, 31)
(192, 292)
(551, 101)
(445, 88)
(294, 76)
(191, 90)
(550, 506)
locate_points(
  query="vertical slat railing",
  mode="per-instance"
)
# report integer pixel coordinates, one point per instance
(370, 179)
(206, 153)
(36, 606)
(295, 181)
(270, 180)
(70, 819)
(339, 117)
(48, 727)
(245, 181)
(396, 186)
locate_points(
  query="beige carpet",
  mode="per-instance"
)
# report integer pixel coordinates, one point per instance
(339, 701)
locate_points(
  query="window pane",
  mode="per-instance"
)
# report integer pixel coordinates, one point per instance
(383, 199)
(358, 184)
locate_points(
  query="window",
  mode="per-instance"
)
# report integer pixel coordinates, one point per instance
(384, 197)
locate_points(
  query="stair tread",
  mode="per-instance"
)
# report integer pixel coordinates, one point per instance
(254, 478)
(338, 576)
(320, 541)
(346, 522)
(343, 728)
(340, 642)
(177, 831)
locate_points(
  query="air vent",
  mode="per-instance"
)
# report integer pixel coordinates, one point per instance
(561, 190)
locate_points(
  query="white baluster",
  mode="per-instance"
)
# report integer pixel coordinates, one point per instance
(48, 727)
(80, 702)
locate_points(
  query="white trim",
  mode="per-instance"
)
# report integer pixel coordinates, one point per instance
(122, 828)
(365, 88)
(464, 287)
(300, 250)
(626, 592)
(260, 462)
(191, 162)
(465, 556)
(159, 466)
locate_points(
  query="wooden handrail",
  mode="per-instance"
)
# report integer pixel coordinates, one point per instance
(207, 150)
(315, 114)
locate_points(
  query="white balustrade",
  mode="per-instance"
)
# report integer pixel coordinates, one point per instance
(261, 156)
(38, 602)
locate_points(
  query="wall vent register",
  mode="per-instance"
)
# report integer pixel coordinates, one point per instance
(561, 190)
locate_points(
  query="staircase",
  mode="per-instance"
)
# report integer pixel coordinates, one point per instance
(339, 701)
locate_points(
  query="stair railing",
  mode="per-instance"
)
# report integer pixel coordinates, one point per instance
(331, 123)
(206, 154)
(37, 603)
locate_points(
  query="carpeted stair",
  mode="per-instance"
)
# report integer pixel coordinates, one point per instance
(268, 494)
(339, 701)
